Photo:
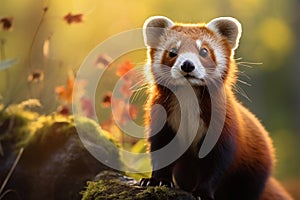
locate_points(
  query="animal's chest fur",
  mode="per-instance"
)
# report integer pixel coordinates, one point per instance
(184, 117)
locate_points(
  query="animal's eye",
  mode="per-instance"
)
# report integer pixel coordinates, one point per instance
(203, 52)
(173, 52)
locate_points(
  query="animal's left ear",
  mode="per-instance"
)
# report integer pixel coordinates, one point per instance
(228, 27)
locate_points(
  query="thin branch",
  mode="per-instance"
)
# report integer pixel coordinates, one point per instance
(11, 170)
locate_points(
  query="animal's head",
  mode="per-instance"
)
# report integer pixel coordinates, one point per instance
(195, 54)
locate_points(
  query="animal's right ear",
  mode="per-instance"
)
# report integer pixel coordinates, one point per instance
(153, 29)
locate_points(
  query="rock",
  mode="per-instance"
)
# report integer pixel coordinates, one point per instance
(110, 185)
(54, 163)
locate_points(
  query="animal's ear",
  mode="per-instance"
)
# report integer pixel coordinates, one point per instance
(229, 28)
(153, 29)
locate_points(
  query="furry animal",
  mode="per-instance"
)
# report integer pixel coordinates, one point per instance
(191, 72)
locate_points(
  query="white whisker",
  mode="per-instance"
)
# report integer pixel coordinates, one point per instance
(240, 91)
(244, 82)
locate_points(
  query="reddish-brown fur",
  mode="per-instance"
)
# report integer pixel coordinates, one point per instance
(241, 163)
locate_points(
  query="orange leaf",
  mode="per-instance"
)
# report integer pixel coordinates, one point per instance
(73, 18)
(124, 68)
(65, 92)
(133, 111)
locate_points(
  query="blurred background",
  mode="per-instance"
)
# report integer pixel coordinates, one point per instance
(43, 43)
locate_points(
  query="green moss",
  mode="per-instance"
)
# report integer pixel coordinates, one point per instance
(107, 189)
(50, 128)
(24, 128)
(16, 124)
(113, 189)
(53, 152)
(91, 131)
(112, 186)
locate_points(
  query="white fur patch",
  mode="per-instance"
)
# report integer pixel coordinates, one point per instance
(199, 44)
(178, 44)
(199, 71)
(185, 117)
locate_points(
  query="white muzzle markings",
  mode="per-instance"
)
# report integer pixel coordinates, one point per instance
(198, 73)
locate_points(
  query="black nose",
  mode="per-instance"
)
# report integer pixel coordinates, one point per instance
(187, 66)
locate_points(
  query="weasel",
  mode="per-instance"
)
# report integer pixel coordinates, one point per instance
(191, 72)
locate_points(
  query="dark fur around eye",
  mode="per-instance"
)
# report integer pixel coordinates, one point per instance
(173, 52)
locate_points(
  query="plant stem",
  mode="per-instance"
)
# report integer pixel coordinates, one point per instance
(31, 47)
(11, 170)
(35, 35)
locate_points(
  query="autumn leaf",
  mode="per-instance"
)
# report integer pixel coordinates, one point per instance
(36, 76)
(63, 110)
(103, 61)
(123, 112)
(106, 100)
(124, 68)
(87, 107)
(6, 23)
(133, 111)
(73, 18)
(65, 92)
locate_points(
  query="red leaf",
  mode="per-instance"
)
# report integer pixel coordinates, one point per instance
(106, 101)
(103, 61)
(63, 110)
(6, 23)
(87, 106)
(121, 114)
(36, 76)
(124, 68)
(133, 111)
(65, 92)
(73, 18)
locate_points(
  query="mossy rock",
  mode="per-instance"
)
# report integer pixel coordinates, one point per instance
(111, 185)
(54, 163)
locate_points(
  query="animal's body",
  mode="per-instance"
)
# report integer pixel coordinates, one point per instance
(191, 72)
